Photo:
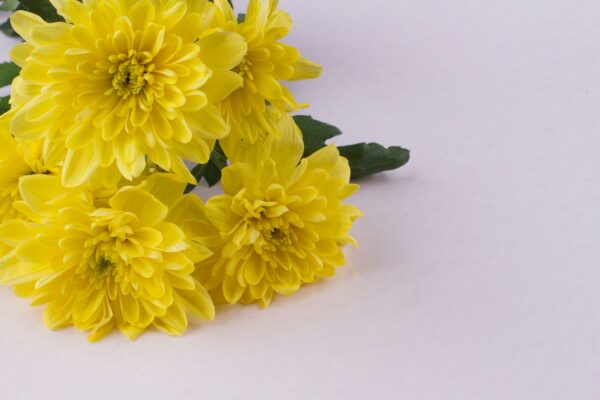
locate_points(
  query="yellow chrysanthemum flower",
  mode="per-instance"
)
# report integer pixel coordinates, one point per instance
(23, 159)
(100, 264)
(122, 82)
(254, 109)
(281, 222)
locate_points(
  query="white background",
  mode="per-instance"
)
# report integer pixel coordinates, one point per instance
(478, 274)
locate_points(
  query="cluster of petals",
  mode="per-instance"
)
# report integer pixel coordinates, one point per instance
(281, 220)
(99, 263)
(254, 108)
(124, 82)
(110, 103)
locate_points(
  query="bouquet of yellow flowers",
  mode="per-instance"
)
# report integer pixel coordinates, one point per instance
(111, 102)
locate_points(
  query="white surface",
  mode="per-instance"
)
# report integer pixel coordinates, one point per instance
(479, 268)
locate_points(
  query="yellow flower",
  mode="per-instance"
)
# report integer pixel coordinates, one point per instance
(281, 222)
(122, 82)
(22, 159)
(253, 109)
(100, 264)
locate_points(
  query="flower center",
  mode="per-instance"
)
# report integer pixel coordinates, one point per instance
(244, 69)
(278, 237)
(104, 266)
(131, 72)
(38, 167)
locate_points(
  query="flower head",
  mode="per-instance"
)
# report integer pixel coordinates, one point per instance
(257, 105)
(281, 222)
(99, 264)
(121, 82)
(23, 159)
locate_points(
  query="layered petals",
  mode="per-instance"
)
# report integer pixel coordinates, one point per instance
(281, 221)
(121, 83)
(254, 108)
(101, 264)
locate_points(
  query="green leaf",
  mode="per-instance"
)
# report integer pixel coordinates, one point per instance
(241, 18)
(9, 5)
(4, 104)
(218, 161)
(7, 29)
(211, 171)
(315, 133)
(365, 159)
(43, 8)
(212, 174)
(371, 158)
(218, 157)
(8, 72)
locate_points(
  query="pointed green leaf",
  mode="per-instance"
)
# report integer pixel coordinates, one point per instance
(315, 133)
(365, 159)
(211, 171)
(212, 174)
(371, 158)
(218, 161)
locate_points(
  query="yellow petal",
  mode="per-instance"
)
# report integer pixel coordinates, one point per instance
(23, 21)
(36, 252)
(79, 166)
(232, 290)
(165, 188)
(207, 123)
(222, 50)
(306, 69)
(221, 85)
(20, 53)
(148, 209)
(51, 34)
(174, 322)
(37, 190)
(71, 10)
(173, 238)
(198, 302)
(14, 231)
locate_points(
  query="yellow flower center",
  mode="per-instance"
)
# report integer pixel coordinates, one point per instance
(131, 72)
(103, 266)
(38, 167)
(100, 260)
(269, 224)
(244, 69)
(109, 249)
(278, 237)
